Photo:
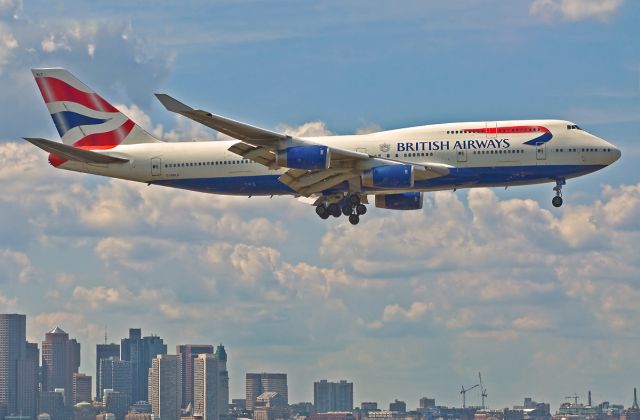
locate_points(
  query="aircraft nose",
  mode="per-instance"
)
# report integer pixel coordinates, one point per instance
(617, 153)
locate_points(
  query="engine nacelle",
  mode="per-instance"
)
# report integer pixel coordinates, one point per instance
(304, 157)
(404, 201)
(389, 176)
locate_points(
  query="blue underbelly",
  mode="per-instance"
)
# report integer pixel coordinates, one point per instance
(458, 178)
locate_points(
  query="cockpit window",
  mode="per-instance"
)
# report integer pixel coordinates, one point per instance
(573, 127)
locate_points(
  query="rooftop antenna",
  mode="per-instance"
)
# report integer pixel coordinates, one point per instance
(483, 390)
(105, 334)
(574, 398)
(464, 394)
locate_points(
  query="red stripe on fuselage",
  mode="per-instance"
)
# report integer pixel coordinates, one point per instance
(511, 130)
(55, 90)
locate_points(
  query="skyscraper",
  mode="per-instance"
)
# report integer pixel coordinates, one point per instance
(223, 383)
(81, 388)
(140, 352)
(165, 386)
(188, 353)
(116, 402)
(60, 360)
(332, 396)
(258, 383)
(12, 349)
(206, 379)
(116, 375)
(104, 351)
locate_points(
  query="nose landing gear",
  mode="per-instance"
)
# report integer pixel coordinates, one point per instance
(351, 206)
(557, 200)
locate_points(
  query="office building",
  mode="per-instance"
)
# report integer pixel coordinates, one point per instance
(104, 351)
(369, 406)
(60, 360)
(12, 349)
(206, 375)
(188, 352)
(116, 375)
(332, 396)
(165, 386)
(398, 406)
(332, 416)
(140, 351)
(270, 406)
(426, 402)
(53, 404)
(141, 407)
(258, 383)
(223, 383)
(116, 402)
(81, 388)
(139, 416)
(84, 411)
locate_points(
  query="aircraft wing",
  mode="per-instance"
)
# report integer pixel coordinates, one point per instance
(261, 146)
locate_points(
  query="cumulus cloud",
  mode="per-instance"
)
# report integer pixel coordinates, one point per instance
(575, 10)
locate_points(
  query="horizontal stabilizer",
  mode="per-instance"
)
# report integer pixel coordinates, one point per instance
(73, 153)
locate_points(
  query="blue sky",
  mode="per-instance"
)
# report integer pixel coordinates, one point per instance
(543, 301)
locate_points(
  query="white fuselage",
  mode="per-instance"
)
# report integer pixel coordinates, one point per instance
(498, 153)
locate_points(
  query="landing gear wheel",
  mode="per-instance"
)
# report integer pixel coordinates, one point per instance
(347, 209)
(361, 209)
(557, 200)
(322, 211)
(354, 199)
(334, 210)
(354, 219)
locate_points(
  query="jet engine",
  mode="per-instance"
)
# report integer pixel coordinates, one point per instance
(304, 157)
(404, 201)
(389, 176)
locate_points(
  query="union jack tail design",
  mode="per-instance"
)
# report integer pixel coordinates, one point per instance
(82, 117)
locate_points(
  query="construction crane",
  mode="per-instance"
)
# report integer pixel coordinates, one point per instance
(574, 398)
(483, 390)
(464, 394)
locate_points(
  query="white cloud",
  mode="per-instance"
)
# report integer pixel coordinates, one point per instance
(7, 303)
(101, 295)
(310, 129)
(396, 312)
(11, 260)
(575, 10)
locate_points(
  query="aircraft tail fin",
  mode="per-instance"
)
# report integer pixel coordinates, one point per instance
(83, 118)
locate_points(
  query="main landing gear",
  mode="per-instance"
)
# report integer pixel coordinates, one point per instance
(350, 206)
(557, 200)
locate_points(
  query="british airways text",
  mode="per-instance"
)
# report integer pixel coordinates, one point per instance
(421, 146)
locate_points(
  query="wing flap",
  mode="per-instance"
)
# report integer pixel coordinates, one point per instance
(261, 155)
(74, 153)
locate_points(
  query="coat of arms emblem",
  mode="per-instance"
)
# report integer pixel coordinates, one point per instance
(385, 147)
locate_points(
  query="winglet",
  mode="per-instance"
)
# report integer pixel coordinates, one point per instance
(172, 104)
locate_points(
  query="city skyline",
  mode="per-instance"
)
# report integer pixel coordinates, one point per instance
(542, 301)
(273, 378)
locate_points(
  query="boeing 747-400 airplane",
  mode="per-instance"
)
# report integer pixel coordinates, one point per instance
(336, 173)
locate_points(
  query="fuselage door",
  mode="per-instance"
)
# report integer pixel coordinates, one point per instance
(541, 151)
(491, 130)
(461, 155)
(156, 167)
